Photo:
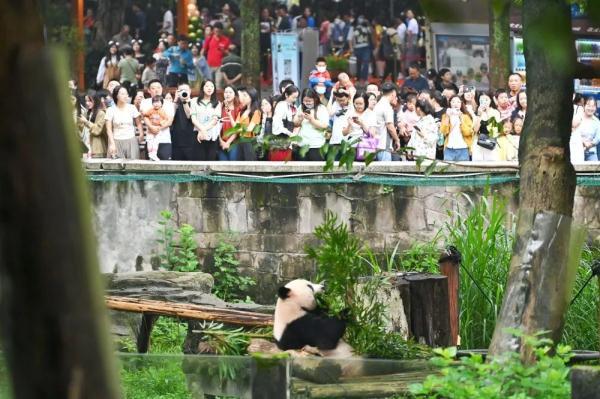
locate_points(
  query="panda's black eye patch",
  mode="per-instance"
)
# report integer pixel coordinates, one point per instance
(311, 287)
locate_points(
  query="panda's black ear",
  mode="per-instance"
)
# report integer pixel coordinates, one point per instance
(283, 292)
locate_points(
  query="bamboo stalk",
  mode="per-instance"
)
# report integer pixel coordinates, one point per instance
(189, 311)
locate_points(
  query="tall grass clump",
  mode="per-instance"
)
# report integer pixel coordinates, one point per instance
(484, 238)
(582, 321)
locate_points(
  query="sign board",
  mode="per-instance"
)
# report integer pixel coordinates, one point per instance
(284, 50)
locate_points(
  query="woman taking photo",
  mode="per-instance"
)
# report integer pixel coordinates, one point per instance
(361, 120)
(121, 123)
(109, 65)
(206, 112)
(313, 120)
(486, 124)
(94, 120)
(229, 114)
(283, 125)
(249, 118)
(424, 136)
(457, 128)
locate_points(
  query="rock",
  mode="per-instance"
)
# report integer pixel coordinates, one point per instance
(585, 382)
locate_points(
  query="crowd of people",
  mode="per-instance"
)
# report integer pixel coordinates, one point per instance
(134, 115)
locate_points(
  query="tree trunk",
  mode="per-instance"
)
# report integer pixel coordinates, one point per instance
(499, 43)
(250, 10)
(539, 280)
(53, 321)
(109, 20)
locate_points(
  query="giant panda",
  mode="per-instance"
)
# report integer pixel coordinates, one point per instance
(299, 324)
(300, 327)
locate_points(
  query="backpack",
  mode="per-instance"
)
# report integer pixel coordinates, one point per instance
(387, 47)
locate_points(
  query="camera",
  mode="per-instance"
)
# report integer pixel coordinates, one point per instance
(341, 112)
(184, 94)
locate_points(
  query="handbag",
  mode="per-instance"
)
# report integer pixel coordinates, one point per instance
(486, 141)
(366, 145)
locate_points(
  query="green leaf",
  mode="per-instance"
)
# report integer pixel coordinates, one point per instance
(430, 168)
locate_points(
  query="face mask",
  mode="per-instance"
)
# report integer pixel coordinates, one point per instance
(320, 90)
(109, 102)
(321, 69)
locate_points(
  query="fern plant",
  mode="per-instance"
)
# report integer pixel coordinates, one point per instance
(186, 259)
(177, 256)
(166, 234)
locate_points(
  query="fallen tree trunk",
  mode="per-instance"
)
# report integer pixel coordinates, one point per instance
(187, 311)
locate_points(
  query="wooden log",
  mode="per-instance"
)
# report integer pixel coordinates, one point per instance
(585, 382)
(187, 311)
(449, 264)
(430, 321)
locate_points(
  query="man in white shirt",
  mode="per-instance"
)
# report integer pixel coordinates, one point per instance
(384, 117)
(412, 35)
(163, 135)
(339, 115)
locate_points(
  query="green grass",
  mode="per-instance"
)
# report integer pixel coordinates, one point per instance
(156, 378)
(582, 322)
(484, 238)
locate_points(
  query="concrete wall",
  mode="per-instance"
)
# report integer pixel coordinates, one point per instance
(272, 223)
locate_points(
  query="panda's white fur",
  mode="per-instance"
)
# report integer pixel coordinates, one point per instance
(301, 298)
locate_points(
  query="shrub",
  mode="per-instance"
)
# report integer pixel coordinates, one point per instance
(180, 257)
(502, 377)
(229, 285)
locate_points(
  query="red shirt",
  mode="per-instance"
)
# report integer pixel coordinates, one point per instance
(215, 49)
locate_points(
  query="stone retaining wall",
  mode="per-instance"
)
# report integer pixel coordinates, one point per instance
(271, 224)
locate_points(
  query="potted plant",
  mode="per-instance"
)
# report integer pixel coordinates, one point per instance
(336, 64)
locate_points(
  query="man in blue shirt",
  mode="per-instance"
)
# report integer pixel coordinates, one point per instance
(180, 59)
(415, 81)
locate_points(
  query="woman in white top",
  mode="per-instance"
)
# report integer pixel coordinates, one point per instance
(284, 125)
(205, 113)
(424, 136)
(589, 130)
(109, 65)
(121, 122)
(483, 125)
(313, 120)
(361, 120)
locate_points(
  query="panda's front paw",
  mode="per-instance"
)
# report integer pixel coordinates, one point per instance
(311, 350)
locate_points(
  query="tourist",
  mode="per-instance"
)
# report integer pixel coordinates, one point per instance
(94, 120)
(149, 73)
(156, 119)
(338, 112)
(469, 95)
(230, 72)
(324, 37)
(444, 80)
(384, 118)
(503, 104)
(249, 119)
(344, 82)
(180, 58)
(360, 121)
(121, 122)
(206, 111)
(425, 132)
(521, 102)
(194, 72)
(589, 129)
(123, 37)
(162, 62)
(486, 123)
(129, 68)
(509, 143)
(320, 74)
(515, 84)
(310, 20)
(162, 134)
(183, 137)
(373, 98)
(313, 121)
(283, 23)
(284, 116)
(457, 128)
(215, 48)
(109, 65)
(412, 36)
(266, 126)
(136, 46)
(229, 115)
(361, 39)
(415, 80)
